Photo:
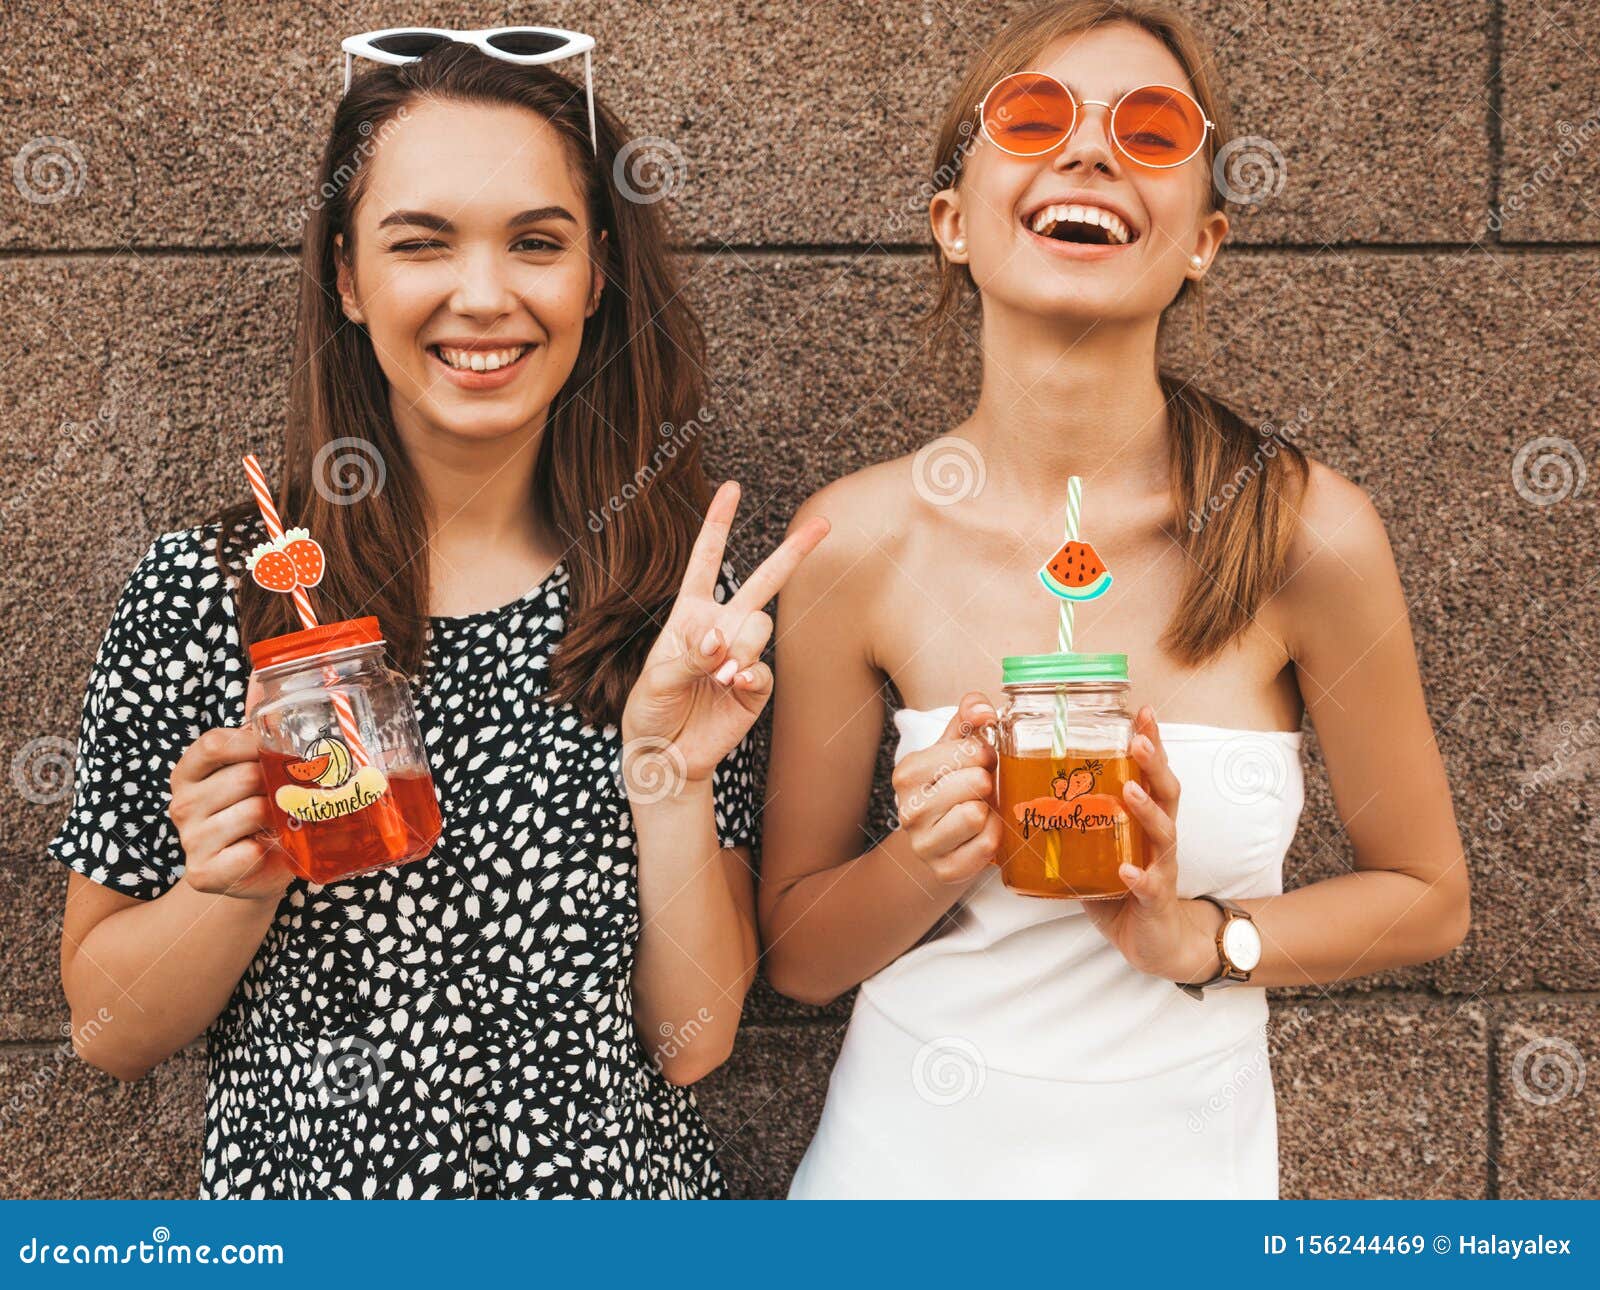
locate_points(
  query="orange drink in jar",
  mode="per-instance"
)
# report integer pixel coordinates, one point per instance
(1063, 742)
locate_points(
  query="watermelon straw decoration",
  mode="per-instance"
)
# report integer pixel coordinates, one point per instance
(1064, 626)
(1073, 573)
(302, 602)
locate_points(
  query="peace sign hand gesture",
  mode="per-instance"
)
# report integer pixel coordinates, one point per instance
(703, 683)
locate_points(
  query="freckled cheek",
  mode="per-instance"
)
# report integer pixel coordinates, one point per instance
(560, 287)
(400, 307)
(557, 302)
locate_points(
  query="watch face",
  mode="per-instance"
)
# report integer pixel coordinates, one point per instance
(1242, 944)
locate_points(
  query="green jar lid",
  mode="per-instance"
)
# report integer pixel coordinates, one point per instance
(1033, 669)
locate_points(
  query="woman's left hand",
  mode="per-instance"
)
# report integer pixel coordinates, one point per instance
(1155, 930)
(703, 683)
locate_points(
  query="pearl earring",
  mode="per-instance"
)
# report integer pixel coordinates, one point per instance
(1197, 261)
(959, 246)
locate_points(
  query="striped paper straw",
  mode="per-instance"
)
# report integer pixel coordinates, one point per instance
(302, 604)
(1074, 512)
(1064, 625)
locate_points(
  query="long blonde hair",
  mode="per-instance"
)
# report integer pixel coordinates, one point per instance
(1237, 551)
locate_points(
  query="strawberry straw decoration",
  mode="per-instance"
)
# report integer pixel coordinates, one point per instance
(290, 563)
(270, 564)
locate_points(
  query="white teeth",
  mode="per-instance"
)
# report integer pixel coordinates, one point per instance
(480, 360)
(1045, 220)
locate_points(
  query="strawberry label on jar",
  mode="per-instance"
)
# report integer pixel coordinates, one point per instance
(1073, 806)
(325, 783)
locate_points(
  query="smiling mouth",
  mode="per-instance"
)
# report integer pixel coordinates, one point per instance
(478, 360)
(1089, 225)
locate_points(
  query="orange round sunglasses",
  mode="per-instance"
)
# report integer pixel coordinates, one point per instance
(1031, 113)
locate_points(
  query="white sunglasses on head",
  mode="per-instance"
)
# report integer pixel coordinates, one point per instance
(527, 46)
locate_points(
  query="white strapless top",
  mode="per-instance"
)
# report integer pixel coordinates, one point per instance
(1041, 992)
(1015, 1053)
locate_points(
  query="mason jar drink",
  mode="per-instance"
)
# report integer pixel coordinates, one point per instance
(348, 784)
(1063, 741)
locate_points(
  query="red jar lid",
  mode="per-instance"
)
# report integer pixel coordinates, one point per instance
(312, 641)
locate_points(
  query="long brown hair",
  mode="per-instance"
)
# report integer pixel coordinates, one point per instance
(618, 471)
(1237, 485)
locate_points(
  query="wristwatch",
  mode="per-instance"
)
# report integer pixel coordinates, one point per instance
(1238, 948)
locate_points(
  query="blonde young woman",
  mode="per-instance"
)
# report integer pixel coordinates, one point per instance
(1007, 1046)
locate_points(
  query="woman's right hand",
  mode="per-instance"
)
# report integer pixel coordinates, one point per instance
(945, 794)
(219, 808)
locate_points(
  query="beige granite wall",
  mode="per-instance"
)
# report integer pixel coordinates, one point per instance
(1421, 292)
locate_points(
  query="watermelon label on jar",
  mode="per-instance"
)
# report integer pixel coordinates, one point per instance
(327, 783)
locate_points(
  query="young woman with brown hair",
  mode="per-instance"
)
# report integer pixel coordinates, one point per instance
(1007, 1046)
(494, 334)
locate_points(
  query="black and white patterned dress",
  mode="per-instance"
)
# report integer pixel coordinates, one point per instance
(460, 1026)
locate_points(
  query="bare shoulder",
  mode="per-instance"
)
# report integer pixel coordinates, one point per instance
(1340, 564)
(865, 510)
(1338, 529)
(869, 513)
